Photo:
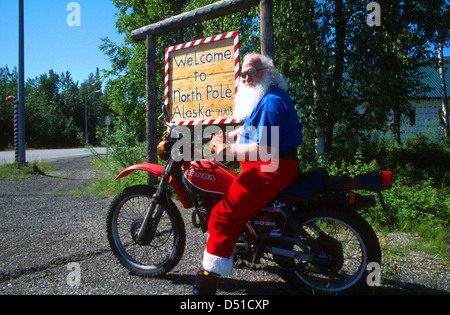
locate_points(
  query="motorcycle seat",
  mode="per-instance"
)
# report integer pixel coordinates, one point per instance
(307, 183)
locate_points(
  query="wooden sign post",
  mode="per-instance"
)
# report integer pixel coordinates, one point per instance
(208, 12)
(201, 79)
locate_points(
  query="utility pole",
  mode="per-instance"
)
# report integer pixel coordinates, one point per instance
(86, 117)
(21, 88)
(266, 17)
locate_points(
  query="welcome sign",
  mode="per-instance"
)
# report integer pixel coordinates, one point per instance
(201, 80)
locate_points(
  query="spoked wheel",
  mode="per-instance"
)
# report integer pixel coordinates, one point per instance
(343, 244)
(162, 251)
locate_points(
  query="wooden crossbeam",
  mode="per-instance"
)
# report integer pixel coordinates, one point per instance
(212, 11)
(208, 12)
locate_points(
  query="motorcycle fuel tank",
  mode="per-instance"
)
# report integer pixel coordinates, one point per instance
(207, 176)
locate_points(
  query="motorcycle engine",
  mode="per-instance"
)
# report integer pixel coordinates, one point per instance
(270, 223)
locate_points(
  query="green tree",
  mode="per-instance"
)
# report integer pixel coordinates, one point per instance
(375, 69)
(55, 110)
(90, 93)
(8, 87)
(302, 37)
(44, 118)
(336, 63)
(433, 17)
(334, 60)
(125, 87)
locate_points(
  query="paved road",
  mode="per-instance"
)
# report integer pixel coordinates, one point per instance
(40, 155)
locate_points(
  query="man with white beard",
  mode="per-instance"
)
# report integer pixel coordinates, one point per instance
(263, 104)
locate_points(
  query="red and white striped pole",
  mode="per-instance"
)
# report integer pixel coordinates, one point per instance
(16, 125)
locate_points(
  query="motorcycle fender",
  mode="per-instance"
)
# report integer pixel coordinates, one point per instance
(148, 167)
(157, 170)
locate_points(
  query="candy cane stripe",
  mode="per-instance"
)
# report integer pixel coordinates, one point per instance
(194, 43)
(16, 125)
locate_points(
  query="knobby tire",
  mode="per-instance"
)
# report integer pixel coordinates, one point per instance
(125, 214)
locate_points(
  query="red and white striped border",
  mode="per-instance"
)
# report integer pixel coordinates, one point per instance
(16, 125)
(198, 42)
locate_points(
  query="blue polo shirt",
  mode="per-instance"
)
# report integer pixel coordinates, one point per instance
(275, 109)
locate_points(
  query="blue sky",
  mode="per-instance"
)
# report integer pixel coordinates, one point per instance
(50, 43)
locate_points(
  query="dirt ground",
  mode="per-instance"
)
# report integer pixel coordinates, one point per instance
(45, 230)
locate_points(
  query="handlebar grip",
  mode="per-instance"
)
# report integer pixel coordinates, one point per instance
(206, 140)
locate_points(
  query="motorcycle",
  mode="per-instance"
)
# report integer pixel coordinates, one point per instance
(311, 233)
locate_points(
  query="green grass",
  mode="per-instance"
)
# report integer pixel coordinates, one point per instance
(106, 186)
(13, 171)
(73, 193)
(432, 239)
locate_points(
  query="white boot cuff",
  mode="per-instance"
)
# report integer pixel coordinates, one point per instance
(220, 265)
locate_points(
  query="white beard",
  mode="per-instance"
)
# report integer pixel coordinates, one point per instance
(248, 97)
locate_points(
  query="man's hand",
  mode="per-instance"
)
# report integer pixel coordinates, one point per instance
(218, 143)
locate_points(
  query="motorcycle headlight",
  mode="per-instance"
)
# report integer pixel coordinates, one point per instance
(164, 150)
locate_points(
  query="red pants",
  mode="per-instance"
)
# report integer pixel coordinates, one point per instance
(248, 194)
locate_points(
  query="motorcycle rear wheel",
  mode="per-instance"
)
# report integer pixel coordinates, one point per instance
(126, 214)
(350, 244)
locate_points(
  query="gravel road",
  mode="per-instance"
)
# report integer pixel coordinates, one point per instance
(44, 231)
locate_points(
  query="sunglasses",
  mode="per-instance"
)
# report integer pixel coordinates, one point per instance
(251, 73)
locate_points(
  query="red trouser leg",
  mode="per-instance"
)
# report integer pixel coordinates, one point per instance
(247, 195)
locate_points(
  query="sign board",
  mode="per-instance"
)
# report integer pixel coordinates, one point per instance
(201, 80)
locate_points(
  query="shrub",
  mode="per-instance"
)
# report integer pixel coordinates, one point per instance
(420, 202)
(411, 203)
(418, 159)
(124, 149)
(123, 145)
(415, 195)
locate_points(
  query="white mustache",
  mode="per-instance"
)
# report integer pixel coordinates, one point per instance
(248, 97)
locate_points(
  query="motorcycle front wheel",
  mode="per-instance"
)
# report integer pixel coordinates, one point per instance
(344, 244)
(125, 217)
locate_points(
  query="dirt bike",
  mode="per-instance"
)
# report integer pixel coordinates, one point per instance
(311, 232)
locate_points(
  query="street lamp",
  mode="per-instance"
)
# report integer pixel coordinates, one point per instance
(86, 114)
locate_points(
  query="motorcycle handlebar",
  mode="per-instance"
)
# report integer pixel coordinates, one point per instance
(203, 141)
